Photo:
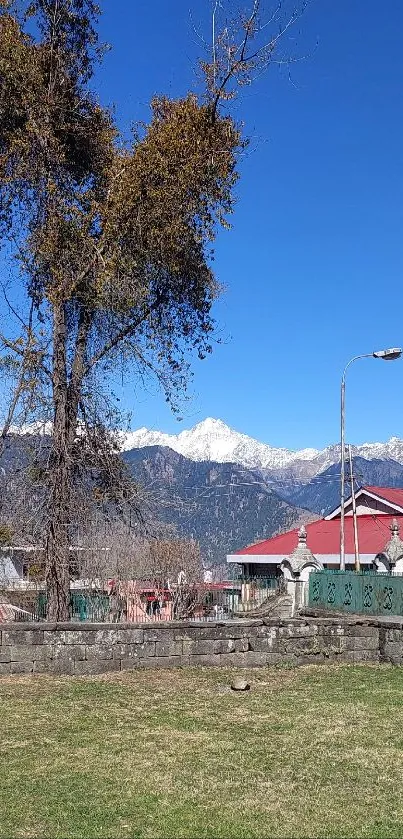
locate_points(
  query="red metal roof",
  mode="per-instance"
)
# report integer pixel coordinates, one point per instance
(395, 496)
(323, 537)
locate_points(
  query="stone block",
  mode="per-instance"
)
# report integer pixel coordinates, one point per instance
(30, 652)
(79, 636)
(56, 667)
(125, 651)
(394, 635)
(134, 651)
(384, 624)
(202, 647)
(207, 660)
(365, 642)
(130, 636)
(332, 643)
(301, 646)
(4, 668)
(22, 636)
(163, 662)
(69, 652)
(393, 651)
(305, 630)
(302, 660)
(362, 630)
(316, 616)
(254, 658)
(249, 623)
(21, 667)
(57, 636)
(231, 645)
(286, 630)
(97, 665)
(265, 631)
(241, 645)
(101, 651)
(5, 655)
(168, 648)
(344, 657)
(248, 659)
(366, 655)
(107, 636)
(231, 659)
(159, 633)
(189, 633)
(262, 644)
(327, 629)
(231, 631)
(130, 663)
(76, 625)
(148, 649)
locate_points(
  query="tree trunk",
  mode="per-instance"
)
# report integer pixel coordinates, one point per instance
(57, 553)
(57, 541)
(66, 396)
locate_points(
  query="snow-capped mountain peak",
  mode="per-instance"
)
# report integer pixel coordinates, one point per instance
(213, 440)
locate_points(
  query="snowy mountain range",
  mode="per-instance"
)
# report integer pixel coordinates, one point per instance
(213, 440)
(225, 489)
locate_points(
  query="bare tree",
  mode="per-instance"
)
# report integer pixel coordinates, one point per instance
(112, 240)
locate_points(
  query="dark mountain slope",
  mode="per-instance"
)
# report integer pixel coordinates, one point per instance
(222, 505)
(322, 493)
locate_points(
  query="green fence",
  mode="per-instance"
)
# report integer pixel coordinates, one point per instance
(360, 593)
(83, 607)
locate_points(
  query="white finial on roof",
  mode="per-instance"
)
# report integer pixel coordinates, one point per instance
(302, 535)
(394, 547)
(302, 555)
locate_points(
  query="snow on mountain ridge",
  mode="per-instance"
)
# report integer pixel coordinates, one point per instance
(213, 440)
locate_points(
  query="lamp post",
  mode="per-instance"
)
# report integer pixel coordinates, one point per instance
(386, 355)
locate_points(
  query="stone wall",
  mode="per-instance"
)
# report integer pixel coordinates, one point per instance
(391, 643)
(82, 649)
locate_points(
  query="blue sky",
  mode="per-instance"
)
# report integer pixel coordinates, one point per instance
(313, 265)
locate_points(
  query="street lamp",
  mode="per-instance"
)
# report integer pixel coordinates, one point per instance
(386, 355)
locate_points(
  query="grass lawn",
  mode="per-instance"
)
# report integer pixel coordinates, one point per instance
(309, 752)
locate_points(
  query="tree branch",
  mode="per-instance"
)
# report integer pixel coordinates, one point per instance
(125, 332)
(21, 352)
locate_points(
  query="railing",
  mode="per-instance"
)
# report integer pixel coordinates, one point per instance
(134, 605)
(100, 607)
(362, 593)
(83, 607)
(256, 590)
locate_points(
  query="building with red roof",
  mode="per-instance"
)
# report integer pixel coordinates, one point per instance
(297, 552)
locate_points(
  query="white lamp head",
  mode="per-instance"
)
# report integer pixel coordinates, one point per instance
(388, 355)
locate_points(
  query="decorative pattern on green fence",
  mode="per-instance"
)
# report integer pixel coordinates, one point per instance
(360, 593)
